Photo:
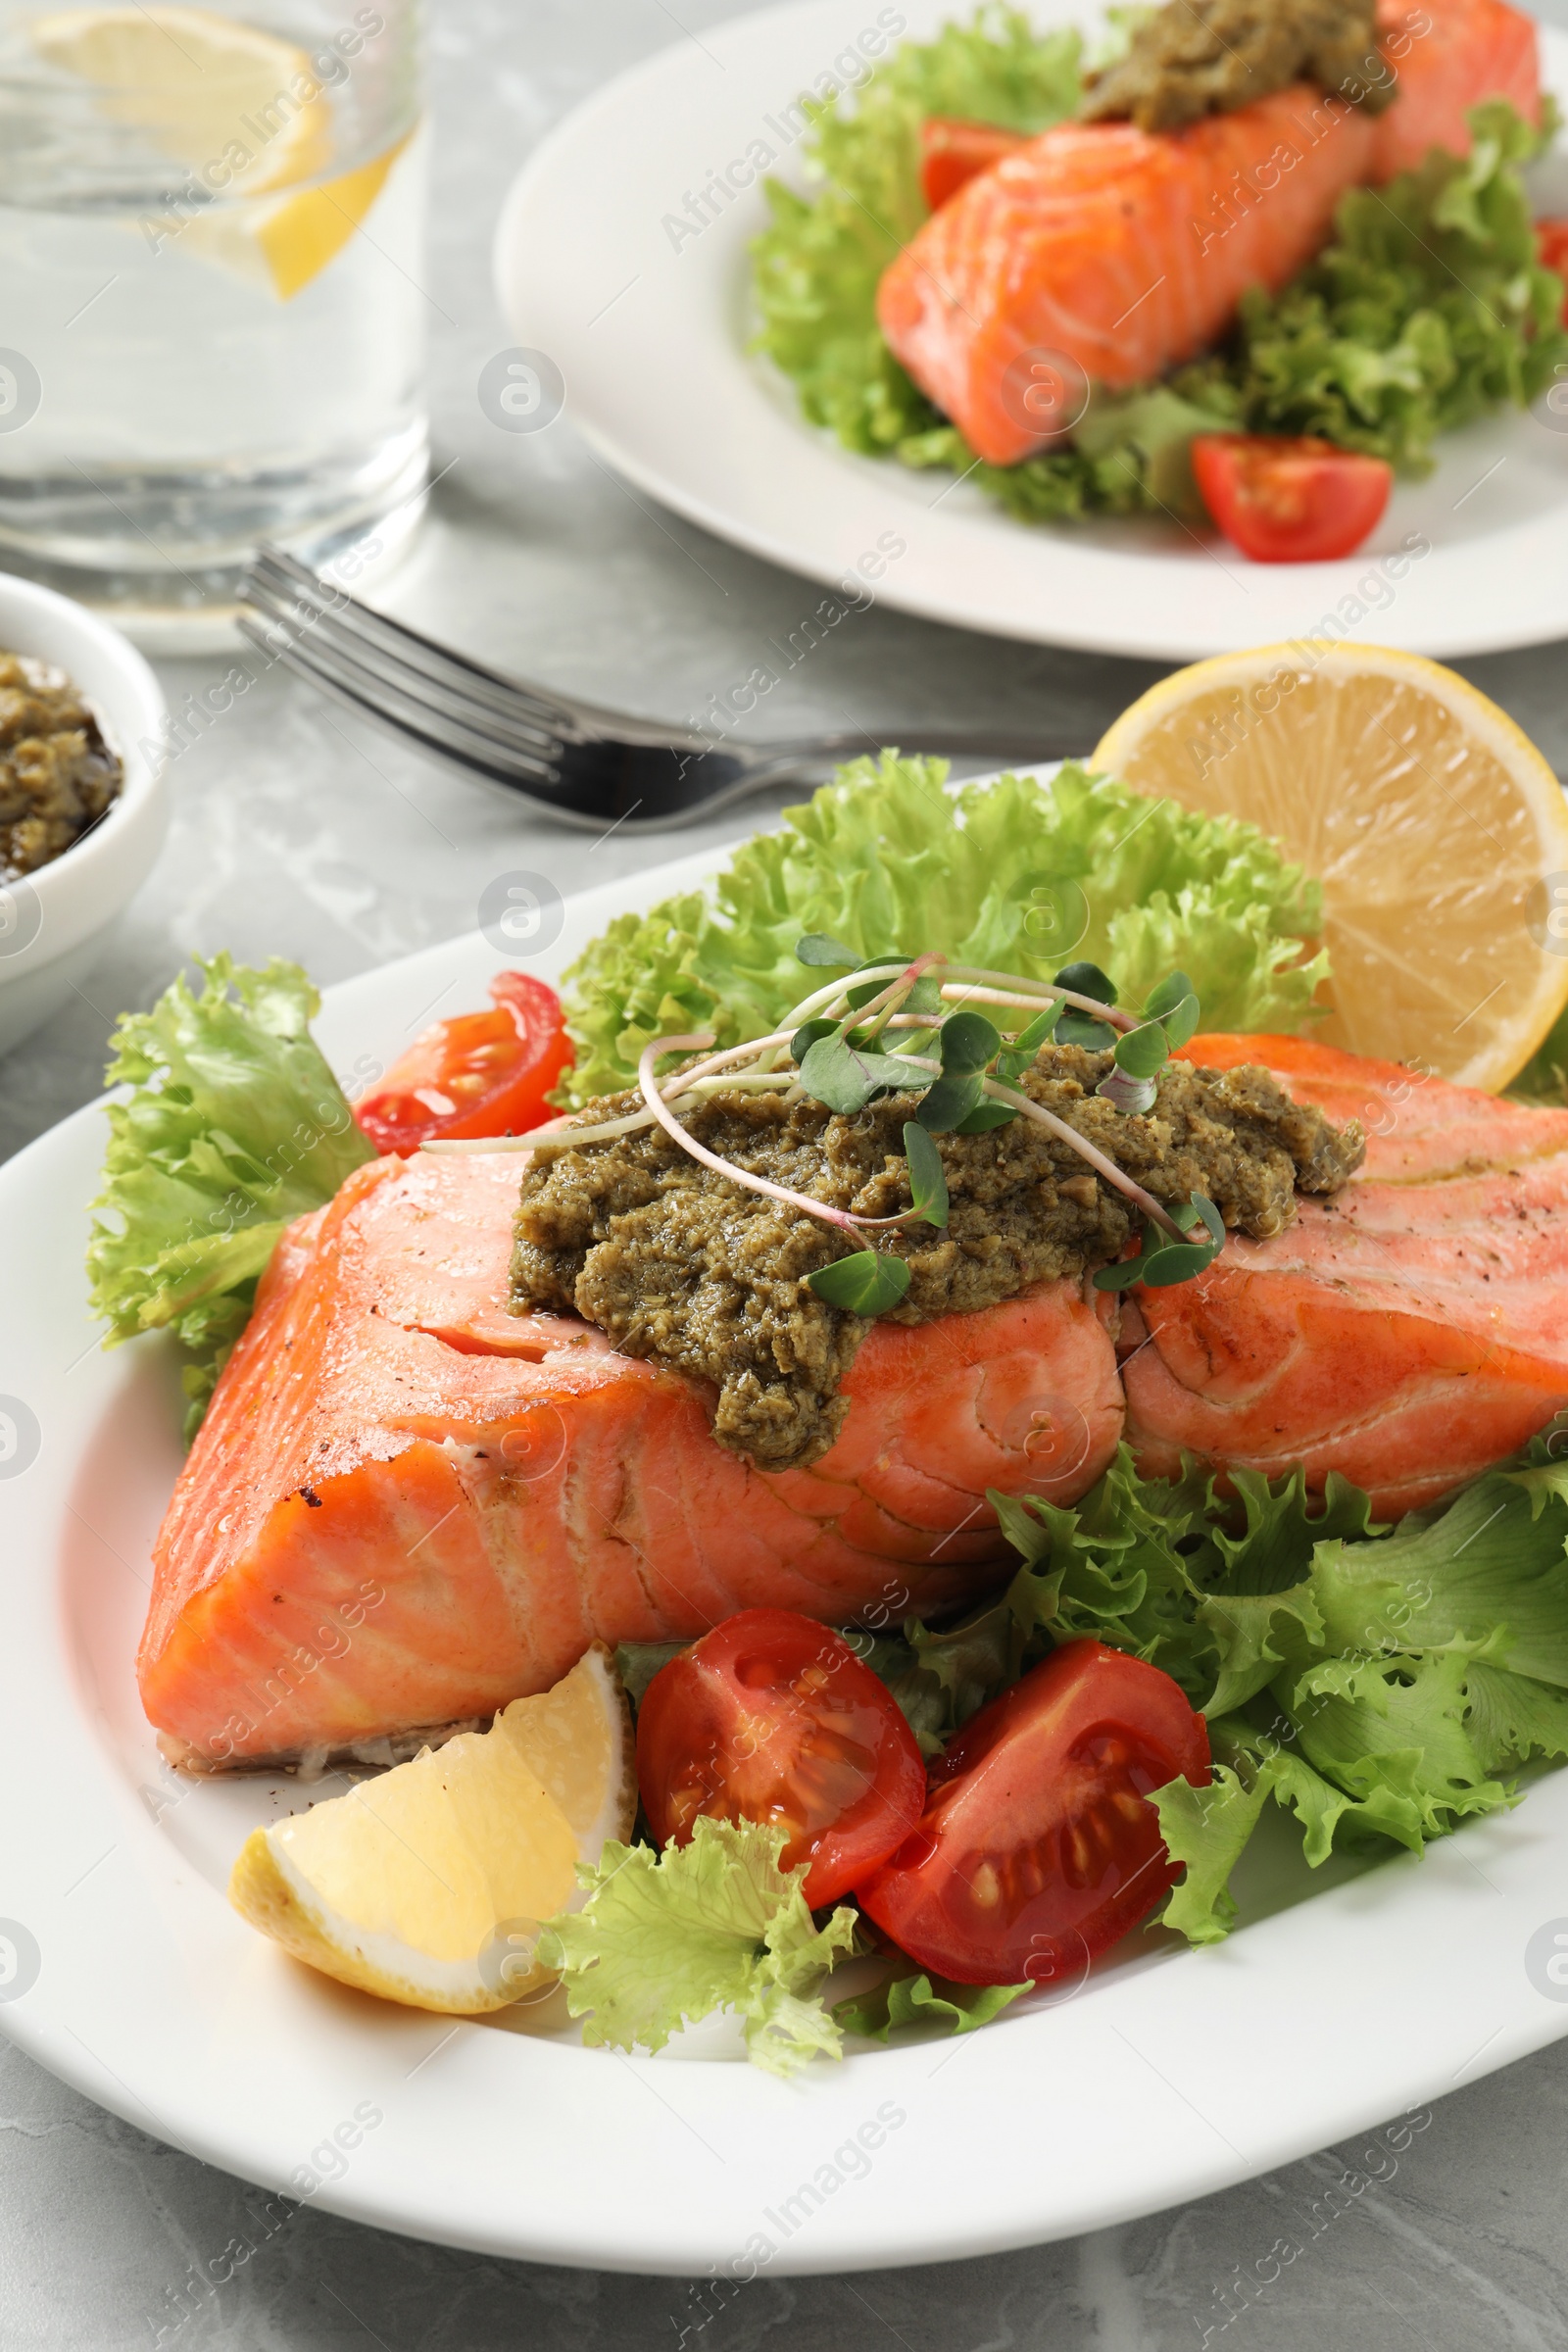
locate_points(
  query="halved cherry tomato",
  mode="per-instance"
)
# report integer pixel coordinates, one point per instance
(772, 1718)
(1036, 1849)
(483, 1073)
(1290, 502)
(1551, 244)
(954, 152)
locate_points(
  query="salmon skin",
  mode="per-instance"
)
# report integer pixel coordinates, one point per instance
(406, 1505)
(1124, 252)
(1407, 1333)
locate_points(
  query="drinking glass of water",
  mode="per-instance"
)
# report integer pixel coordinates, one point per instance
(211, 294)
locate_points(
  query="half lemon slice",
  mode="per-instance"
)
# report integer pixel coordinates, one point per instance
(428, 1884)
(1437, 830)
(198, 84)
(245, 113)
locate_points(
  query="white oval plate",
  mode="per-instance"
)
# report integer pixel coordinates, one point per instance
(124, 1970)
(649, 328)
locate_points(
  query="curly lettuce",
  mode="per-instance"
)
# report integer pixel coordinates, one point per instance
(1428, 307)
(1370, 1682)
(664, 1939)
(908, 1996)
(1016, 875)
(235, 1126)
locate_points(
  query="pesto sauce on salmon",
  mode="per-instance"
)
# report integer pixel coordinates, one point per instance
(1209, 57)
(678, 1262)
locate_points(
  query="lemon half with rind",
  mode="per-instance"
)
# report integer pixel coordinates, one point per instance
(1435, 829)
(421, 1885)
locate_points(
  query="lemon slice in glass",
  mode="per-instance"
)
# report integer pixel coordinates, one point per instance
(1437, 830)
(427, 1884)
(198, 84)
(244, 113)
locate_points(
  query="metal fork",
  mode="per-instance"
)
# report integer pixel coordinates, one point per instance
(580, 763)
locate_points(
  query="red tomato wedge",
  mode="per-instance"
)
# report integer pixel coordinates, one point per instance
(1036, 1849)
(483, 1073)
(771, 1717)
(1290, 502)
(1551, 244)
(954, 152)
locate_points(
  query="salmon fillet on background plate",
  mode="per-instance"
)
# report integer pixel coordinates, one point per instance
(406, 1505)
(1125, 252)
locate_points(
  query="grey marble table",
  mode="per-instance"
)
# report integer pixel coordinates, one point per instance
(302, 834)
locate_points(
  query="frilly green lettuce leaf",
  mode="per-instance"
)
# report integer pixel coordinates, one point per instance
(1508, 1716)
(1123, 1565)
(235, 1126)
(926, 1705)
(1014, 875)
(1276, 1546)
(1207, 1829)
(1394, 1726)
(1261, 1608)
(664, 1939)
(910, 1998)
(1489, 1569)
(970, 1661)
(1256, 1635)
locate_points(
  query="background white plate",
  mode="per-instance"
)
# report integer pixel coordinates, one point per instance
(650, 334)
(1171, 2073)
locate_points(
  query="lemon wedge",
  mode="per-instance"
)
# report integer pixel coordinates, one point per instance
(296, 236)
(244, 111)
(428, 1884)
(198, 84)
(1437, 830)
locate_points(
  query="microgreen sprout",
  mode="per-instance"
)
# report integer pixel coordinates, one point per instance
(1159, 1262)
(866, 1283)
(1078, 1025)
(888, 1026)
(1171, 1018)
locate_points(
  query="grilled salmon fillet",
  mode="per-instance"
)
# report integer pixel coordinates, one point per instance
(406, 1505)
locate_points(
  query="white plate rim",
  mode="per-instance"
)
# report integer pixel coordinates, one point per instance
(1163, 2082)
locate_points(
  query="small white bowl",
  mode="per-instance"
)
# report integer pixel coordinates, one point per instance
(54, 924)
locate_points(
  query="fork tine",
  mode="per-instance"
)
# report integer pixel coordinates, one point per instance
(372, 673)
(276, 578)
(395, 652)
(458, 746)
(276, 581)
(598, 783)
